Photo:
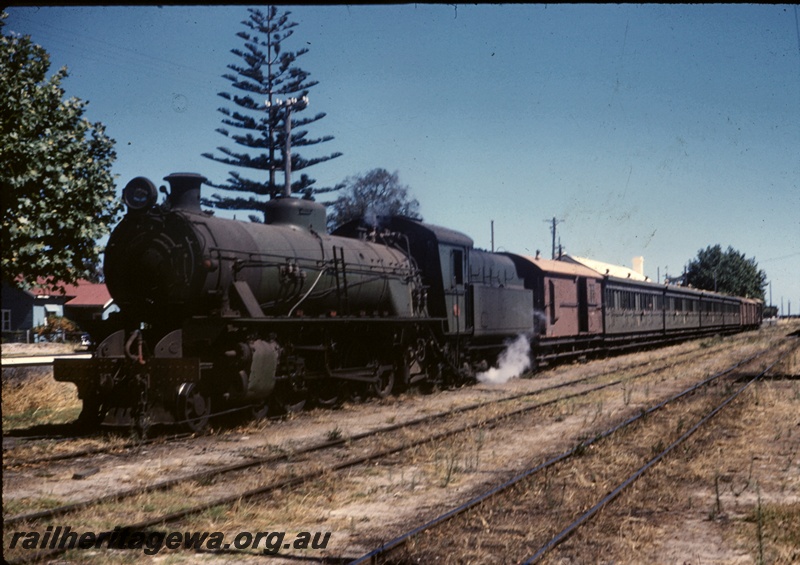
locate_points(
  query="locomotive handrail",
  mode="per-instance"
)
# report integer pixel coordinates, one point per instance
(343, 281)
(240, 264)
(329, 291)
(319, 276)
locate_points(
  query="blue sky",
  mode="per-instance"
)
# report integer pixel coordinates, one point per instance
(651, 130)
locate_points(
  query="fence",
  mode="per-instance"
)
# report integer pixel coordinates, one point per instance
(30, 336)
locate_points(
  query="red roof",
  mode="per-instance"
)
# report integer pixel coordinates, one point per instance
(84, 293)
(89, 294)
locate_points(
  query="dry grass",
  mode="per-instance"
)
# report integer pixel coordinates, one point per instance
(24, 505)
(31, 397)
(661, 509)
(731, 495)
(530, 514)
(24, 452)
(33, 349)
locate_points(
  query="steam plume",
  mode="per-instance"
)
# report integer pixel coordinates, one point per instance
(513, 361)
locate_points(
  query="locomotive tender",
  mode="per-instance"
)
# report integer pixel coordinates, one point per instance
(218, 314)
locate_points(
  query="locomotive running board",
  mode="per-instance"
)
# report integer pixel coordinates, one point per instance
(267, 320)
(361, 375)
(86, 374)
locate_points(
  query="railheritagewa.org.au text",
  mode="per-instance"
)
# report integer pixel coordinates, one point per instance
(152, 542)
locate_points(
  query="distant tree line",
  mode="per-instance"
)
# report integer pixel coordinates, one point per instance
(728, 272)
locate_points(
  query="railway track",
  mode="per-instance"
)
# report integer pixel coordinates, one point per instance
(459, 531)
(12, 462)
(274, 459)
(34, 444)
(690, 356)
(291, 479)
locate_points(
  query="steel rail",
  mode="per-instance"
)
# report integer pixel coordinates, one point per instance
(94, 451)
(11, 463)
(301, 479)
(374, 555)
(586, 516)
(546, 357)
(204, 475)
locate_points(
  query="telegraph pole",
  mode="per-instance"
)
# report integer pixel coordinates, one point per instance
(289, 104)
(553, 223)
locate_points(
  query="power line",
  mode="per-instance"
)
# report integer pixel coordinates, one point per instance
(780, 258)
(70, 45)
(554, 222)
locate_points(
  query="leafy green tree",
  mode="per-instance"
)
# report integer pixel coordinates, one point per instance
(728, 272)
(269, 73)
(58, 191)
(376, 193)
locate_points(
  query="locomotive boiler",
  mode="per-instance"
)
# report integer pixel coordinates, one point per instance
(167, 263)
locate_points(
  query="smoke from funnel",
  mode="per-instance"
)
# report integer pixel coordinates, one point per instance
(376, 214)
(371, 217)
(513, 361)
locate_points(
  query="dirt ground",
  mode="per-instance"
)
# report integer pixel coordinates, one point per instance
(739, 489)
(731, 496)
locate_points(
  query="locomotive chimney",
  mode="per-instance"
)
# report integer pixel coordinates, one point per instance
(185, 191)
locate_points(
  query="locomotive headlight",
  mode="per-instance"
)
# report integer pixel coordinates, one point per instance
(139, 194)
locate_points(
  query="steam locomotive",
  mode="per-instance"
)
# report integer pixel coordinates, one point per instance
(219, 315)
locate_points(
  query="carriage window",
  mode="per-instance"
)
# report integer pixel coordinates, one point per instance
(458, 267)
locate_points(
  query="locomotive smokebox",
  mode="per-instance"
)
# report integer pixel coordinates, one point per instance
(185, 191)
